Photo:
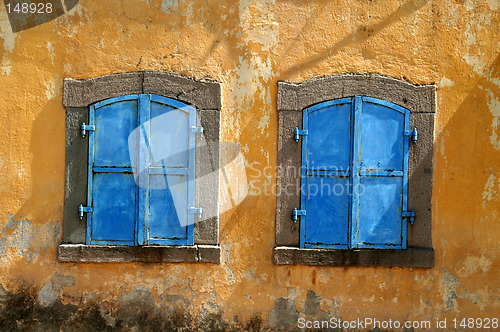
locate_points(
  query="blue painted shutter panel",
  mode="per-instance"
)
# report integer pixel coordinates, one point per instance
(354, 175)
(112, 191)
(141, 171)
(171, 172)
(380, 168)
(326, 175)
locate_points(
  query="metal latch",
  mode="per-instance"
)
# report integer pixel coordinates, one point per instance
(86, 128)
(197, 211)
(412, 133)
(297, 213)
(299, 133)
(409, 215)
(83, 209)
(196, 130)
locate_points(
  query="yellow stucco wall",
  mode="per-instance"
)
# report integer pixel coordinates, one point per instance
(248, 46)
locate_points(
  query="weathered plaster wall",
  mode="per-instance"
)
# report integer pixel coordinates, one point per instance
(249, 46)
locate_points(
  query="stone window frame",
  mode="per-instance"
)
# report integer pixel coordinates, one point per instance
(78, 95)
(292, 99)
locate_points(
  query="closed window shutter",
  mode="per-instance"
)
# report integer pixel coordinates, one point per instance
(354, 174)
(380, 178)
(145, 201)
(171, 172)
(326, 173)
(112, 190)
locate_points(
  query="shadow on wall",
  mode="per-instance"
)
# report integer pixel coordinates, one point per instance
(25, 17)
(359, 36)
(47, 166)
(469, 145)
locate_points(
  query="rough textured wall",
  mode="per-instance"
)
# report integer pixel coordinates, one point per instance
(249, 46)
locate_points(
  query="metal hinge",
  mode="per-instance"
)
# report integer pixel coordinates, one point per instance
(83, 209)
(410, 215)
(299, 133)
(86, 128)
(412, 133)
(297, 213)
(197, 211)
(196, 130)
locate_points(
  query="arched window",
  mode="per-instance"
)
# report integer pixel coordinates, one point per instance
(353, 186)
(142, 152)
(355, 174)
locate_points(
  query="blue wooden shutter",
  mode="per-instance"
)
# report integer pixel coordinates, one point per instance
(380, 174)
(171, 172)
(141, 171)
(326, 158)
(111, 186)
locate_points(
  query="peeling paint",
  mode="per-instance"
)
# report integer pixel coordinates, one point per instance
(493, 4)
(51, 292)
(473, 264)
(258, 23)
(226, 255)
(17, 235)
(445, 81)
(452, 290)
(9, 38)
(494, 107)
(168, 4)
(490, 190)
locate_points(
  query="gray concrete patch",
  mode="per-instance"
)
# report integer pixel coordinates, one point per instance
(423, 258)
(75, 175)
(148, 254)
(51, 292)
(208, 254)
(203, 94)
(420, 181)
(207, 177)
(109, 254)
(288, 193)
(284, 315)
(312, 305)
(82, 93)
(297, 96)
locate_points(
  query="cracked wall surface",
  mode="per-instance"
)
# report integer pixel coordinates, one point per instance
(248, 46)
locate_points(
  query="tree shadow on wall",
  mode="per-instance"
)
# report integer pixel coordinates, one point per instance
(466, 172)
(360, 35)
(45, 203)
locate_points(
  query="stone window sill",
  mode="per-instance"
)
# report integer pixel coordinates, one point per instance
(412, 257)
(81, 253)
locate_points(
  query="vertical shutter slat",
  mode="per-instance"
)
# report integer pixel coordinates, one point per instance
(168, 220)
(381, 170)
(326, 175)
(112, 189)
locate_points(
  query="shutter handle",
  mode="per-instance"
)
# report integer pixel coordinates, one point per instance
(297, 213)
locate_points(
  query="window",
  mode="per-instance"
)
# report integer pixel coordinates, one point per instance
(134, 204)
(355, 175)
(137, 156)
(362, 195)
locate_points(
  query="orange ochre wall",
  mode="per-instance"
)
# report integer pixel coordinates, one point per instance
(248, 45)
